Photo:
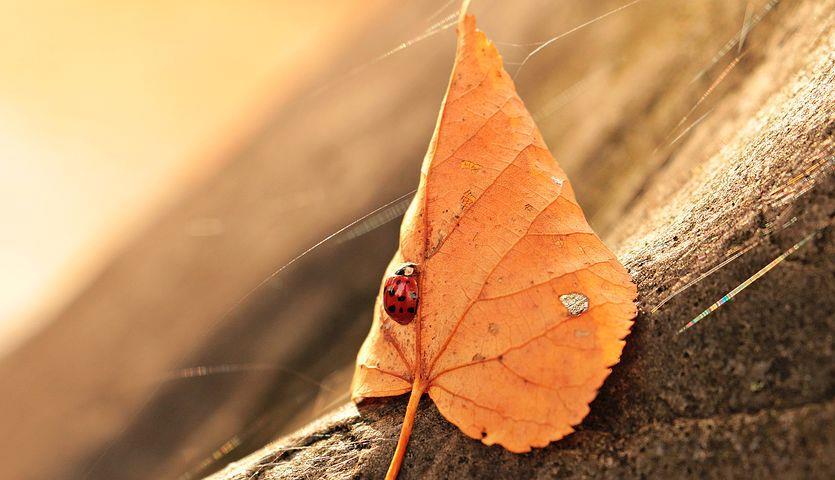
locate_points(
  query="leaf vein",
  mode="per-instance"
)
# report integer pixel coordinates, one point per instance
(485, 407)
(530, 287)
(522, 344)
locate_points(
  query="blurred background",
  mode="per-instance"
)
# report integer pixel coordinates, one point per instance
(110, 110)
(159, 160)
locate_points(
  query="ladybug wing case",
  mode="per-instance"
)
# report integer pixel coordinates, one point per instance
(400, 298)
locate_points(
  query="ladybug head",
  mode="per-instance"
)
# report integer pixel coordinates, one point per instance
(407, 270)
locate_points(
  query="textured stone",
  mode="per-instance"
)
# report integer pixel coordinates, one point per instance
(748, 392)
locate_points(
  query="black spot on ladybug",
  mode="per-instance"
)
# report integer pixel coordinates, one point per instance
(401, 298)
(398, 282)
(391, 292)
(392, 308)
(413, 295)
(411, 309)
(401, 309)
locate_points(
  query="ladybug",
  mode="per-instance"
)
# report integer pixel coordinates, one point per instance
(400, 294)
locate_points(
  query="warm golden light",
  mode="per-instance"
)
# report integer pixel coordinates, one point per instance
(108, 109)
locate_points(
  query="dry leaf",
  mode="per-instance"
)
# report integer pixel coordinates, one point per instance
(522, 308)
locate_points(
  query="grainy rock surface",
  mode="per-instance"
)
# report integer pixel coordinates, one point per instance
(786, 443)
(746, 393)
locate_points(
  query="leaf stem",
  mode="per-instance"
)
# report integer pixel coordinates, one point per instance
(406, 431)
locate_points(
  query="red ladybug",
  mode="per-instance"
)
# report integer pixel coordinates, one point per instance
(400, 294)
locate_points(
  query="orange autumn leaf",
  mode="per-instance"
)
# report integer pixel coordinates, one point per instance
(522, 308)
